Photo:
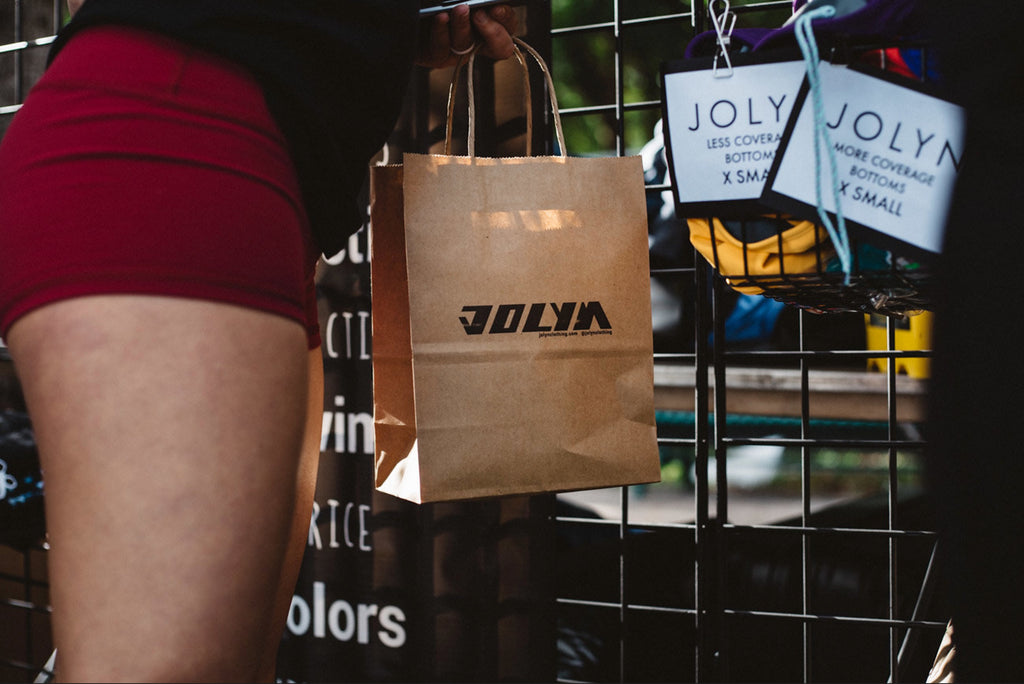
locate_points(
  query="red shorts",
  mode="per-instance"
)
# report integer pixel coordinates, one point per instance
(140, 165)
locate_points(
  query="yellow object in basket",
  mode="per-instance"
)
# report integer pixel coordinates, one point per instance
(912, 333)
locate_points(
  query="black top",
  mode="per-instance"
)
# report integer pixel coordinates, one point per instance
(333, 71)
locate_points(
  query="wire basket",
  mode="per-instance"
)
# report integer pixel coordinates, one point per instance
(792, 260)
(756, 256)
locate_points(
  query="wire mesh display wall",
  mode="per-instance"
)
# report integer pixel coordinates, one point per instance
(789, 540)
(837, 583)
(26, 30)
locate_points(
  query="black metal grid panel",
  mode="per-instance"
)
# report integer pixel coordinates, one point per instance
(25, 641)
(843, 587)
(27, 27)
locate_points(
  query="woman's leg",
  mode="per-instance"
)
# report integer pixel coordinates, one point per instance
(170, 433)
(305, 490)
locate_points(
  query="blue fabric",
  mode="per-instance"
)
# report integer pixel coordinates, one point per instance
(752, 319)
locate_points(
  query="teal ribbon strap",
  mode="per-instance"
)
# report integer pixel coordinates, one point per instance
(809, 48)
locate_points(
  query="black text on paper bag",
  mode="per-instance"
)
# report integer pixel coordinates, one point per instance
(898, 150)
(722, 131)
(546, 318)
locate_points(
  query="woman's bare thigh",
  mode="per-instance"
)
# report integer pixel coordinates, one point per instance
(169, 433)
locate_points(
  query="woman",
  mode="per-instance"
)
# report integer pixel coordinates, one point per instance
(165, 192)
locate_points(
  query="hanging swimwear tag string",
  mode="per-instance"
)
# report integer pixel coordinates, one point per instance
(809, 48)
(724, 24)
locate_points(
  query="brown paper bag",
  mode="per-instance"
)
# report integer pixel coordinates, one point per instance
(511, 326)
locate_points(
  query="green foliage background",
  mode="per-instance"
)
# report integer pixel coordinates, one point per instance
(653, 31)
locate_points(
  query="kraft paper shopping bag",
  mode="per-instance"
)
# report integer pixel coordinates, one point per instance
(511, 326)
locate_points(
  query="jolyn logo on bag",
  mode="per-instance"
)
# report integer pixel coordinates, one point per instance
(567, 319)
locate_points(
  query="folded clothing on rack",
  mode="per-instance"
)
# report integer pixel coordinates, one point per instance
(876, 21)
(763, 249)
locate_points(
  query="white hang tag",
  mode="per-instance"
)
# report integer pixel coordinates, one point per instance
(722, 133)
(897, 149)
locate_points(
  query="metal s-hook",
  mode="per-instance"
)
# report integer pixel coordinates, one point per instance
(723, 24)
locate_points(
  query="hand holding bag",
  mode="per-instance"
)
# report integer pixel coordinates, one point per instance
(511, 323)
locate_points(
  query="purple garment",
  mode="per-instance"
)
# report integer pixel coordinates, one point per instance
(878, 20)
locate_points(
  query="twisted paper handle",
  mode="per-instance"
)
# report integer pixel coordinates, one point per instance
(471, 135)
